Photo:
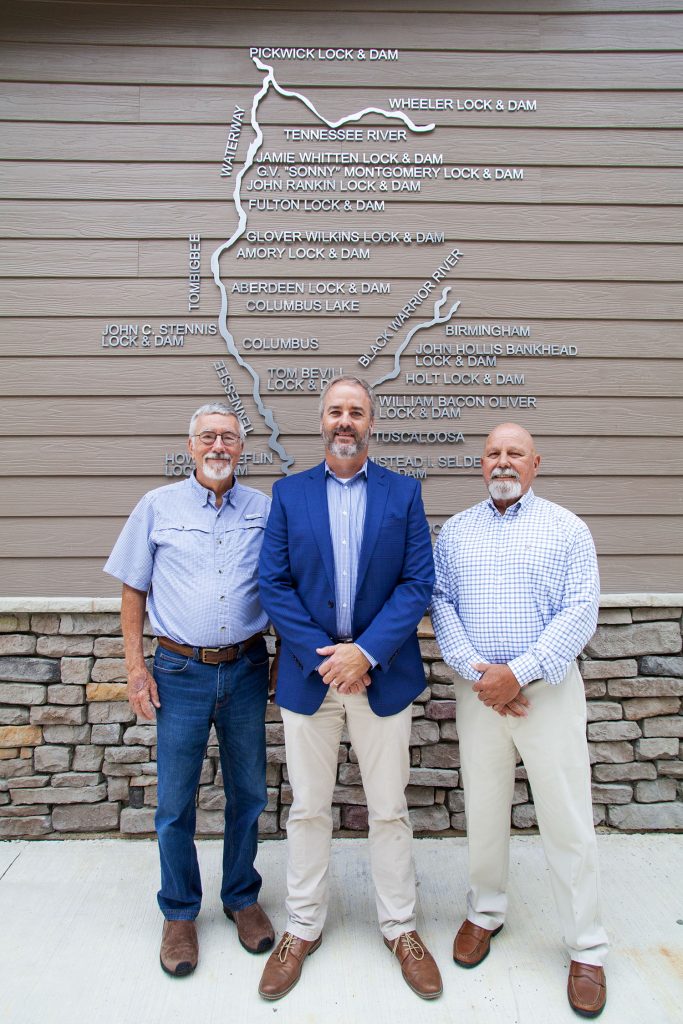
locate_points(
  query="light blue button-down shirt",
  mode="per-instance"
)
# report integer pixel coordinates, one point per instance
(520, 588)
(346, 505)
(198, 562)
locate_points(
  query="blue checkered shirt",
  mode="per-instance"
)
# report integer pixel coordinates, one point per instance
(520, 589)
(198, 562)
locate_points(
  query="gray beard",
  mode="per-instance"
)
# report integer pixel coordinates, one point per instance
(344, 449)
(505, 489)
(348, 448)
(217, 469)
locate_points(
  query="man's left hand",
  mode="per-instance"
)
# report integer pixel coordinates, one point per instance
(360, 686)
(344, 663)
(498, 684)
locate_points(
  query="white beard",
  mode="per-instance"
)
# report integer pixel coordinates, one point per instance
(504, 487)
(505, 490)
(217, 469)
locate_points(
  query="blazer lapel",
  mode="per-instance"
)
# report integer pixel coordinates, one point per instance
(378, 492)
(316, 500)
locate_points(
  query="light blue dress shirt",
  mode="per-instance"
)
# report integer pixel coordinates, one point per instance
(520, 589)
(346, 506)
(198, 562)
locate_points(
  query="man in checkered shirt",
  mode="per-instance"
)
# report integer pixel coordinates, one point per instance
(516, 599)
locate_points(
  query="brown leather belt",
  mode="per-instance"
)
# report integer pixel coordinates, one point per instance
(210, 655)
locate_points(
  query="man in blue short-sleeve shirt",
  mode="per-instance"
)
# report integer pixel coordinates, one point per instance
(189, 553)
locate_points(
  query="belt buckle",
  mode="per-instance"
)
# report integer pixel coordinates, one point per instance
(208, 650)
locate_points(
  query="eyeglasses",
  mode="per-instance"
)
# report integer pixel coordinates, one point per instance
(208, 437)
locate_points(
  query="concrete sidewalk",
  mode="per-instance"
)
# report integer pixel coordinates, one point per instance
(79, 940)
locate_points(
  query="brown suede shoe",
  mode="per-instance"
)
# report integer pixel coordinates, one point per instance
(179, 948)
(418, 966)
(472, 944)
(283, 968)
(254, 929)
(586, 989)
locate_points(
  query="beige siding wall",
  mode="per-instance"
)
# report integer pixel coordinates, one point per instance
(115, 124)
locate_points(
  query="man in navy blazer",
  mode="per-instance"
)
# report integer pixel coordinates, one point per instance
(346, 573)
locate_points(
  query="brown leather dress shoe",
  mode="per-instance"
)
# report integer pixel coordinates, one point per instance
(283, 968)
(254, 929)
(472, 944)
(586, 989)
(179, 948)
(418, 966)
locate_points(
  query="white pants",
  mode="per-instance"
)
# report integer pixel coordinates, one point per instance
(382, 748)
(552, 743)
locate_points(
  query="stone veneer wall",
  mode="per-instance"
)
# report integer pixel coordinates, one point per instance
(74, 759)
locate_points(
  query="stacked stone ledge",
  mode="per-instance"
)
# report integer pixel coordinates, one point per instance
(74, 760)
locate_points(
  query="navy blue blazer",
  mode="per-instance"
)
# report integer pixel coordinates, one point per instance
(395, 581)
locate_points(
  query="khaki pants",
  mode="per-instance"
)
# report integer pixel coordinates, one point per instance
(382, 748)
(552, 743)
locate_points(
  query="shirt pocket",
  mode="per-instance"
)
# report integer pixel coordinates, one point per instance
(183, 543)
(243, 546)
(545, 571)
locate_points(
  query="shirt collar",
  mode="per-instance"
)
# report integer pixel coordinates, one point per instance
(203, 494)
(513, 510)
(363, 471)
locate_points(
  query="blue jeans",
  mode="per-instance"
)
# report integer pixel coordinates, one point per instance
(194, 696)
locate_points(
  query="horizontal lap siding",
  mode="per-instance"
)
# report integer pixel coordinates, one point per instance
(75, 574)
(498, 260)
(167, 298)
(76, 496)
(104, 456)
(82, 336)
(143, 24)
(115, 120)
(506, 222)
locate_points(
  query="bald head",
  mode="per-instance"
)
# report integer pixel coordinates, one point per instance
(509, 431)
(510, 463)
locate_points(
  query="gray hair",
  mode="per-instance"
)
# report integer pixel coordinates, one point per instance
(218, 409)
(348, 379)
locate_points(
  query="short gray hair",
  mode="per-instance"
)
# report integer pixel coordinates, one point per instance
(348, 379)
(218, 409)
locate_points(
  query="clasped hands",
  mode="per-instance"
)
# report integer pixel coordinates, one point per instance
(499, 690)
(345, 666)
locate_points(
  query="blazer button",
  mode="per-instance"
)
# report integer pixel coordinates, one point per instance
(330, 604)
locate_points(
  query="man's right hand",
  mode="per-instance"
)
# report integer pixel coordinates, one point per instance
(143, 696)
